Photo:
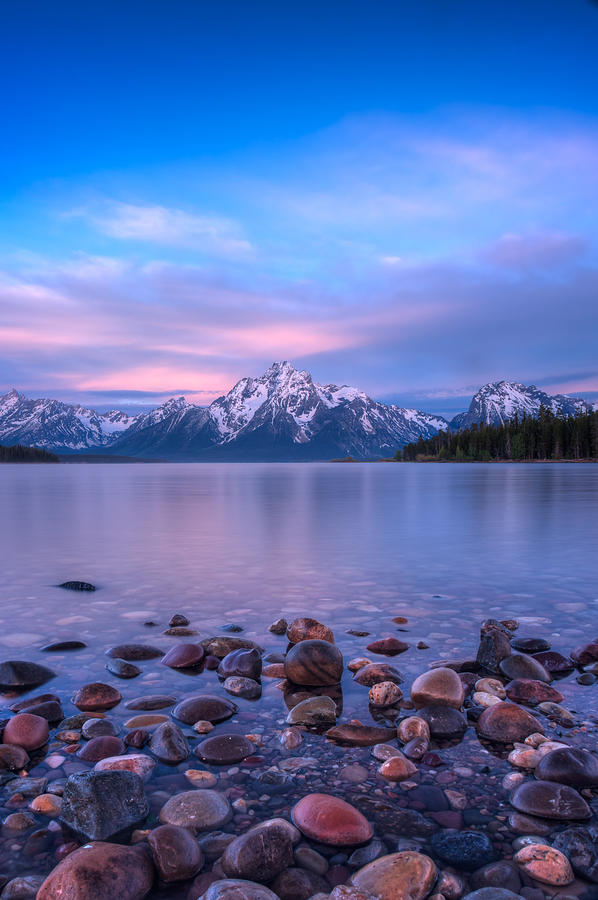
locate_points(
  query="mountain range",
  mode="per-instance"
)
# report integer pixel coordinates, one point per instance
(281, 415)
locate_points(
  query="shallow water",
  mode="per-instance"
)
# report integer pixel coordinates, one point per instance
(354, 545)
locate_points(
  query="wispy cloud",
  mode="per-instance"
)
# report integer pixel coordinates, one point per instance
(213, 235)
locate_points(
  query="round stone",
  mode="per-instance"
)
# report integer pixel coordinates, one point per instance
(100, 871)
(545, 864)
(314, 663)
(138, 763)
(385, 693)
(581, 849)
(96, 696)
(390, 646)
(491, 686)
(585, 654)
(549, 800)
(16, 673)
(238, 889)
(151, 702)
(463, 849)
(258, 855)
(374, 673)
(244, 663)
(554, 663)
(184, 656)
(202, 810)
(397, 768)
(569, 765)
(331, 820)
(176, 853)
(99, 728)
(360, 735)
(224, 749)
(242, 687)
(123, 669)
(27, 731)
(529, 644)
(529, 690)
(313, 711)
(518, 665)
(204, 707)
(306, 629)
(438, 687)
(507, 723)
(444, 722)
(13, 757)
(412, 727)
(169, 744)
(134, 652)
(397, 876)
(100, 748)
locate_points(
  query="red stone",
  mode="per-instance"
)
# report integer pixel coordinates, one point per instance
(331, 820)
(101, 748)
(96, 696)
(389, 646)
(27, 731)
(507, 723)
(184, 656)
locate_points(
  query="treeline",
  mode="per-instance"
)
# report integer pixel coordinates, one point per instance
(548, 437)
(18, 453)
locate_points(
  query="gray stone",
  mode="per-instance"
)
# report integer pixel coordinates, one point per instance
(104, 806)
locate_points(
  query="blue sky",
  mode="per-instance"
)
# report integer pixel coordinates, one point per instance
(398, 195)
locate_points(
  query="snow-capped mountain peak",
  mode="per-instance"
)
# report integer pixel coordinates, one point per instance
(499, 401)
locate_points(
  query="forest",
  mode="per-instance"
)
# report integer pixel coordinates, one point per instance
(19, 453)
(550, 436)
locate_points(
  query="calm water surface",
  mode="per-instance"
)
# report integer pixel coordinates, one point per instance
(355, 545)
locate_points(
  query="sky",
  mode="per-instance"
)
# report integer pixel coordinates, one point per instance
(401, 195)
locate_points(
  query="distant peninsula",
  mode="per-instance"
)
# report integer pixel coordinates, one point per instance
(20, 454)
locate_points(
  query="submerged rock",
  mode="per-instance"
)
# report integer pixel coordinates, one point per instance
(224, 749)
(549, 800)
(243, 663)
(15, 673)
(330, 820)
(200, 810)
(314, 663)
(507, 723)
(398, 876)
(374, 673)
(463, 849)
(569, 765)
(184, 656)
(77, 586)
(169, 744)
(259, 855)
(100, 806)
(438, 687)
(96, 696)
(204, 707)
(313, 711)
(134, 652)
(176, 853)
(100, 871)
(357, 735)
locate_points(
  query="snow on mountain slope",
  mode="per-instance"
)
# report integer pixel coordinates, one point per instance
(52, 424)
(499, 401)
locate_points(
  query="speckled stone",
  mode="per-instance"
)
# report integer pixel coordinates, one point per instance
(398, 876)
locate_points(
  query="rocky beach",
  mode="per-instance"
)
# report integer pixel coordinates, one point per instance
(302, 759)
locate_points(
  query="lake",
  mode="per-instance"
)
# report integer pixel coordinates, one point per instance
(354, 545)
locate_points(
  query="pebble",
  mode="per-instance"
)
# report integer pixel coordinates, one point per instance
(374, 673)
(314, 663)
(390, 646)
(242, 687)
(549, 800)
(491, 686)
(520, 666)
(313, 711)
(358, 735)
(99, 806)
(207, 707)
(224, 749)
(134, 652)
(306, 629)
(463, 849)
(385, 693)
(200, 778)
(100, 871)
(100, 748)
(398, 876)
(568, 765)
(96, 696)
(331, 820)
(138, 763)
(506, 723)
(199, 810)
(184, 656)
(169, 744)
(545, 864)
(27, 731)
(176, 853)
(397, 768)
(413, 727)
(258, 855)
(438, 687)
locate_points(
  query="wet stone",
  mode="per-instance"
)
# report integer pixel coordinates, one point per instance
(238, 889)
(242, 687)
(206, 707)
(27, 731)
(313, 711)
(568, 765)
(547, 799)
(299, 884)
(385, 693)
(96, 696)
(152, 701)
(545, 864)
(169, 744)
(184, 656)
(360, 735)
(585, 654)
(331, 820)
(100, 871)
(177, 620)
(306, 629)
(529, 690)
(314, 663)
(99, 806)
(507, 723)
(258, 855)
(18, 674)
(466, 850)
(24, 887)
(518, 665)
(494, 646)
(13, 757)
(390, 646)
(397, 768)
(279, 626)
(176, 853)
(554, 663)
(134, 652)
(529, 644)
(61, 646)
(224, 749)
(51, 710)
(99, 728)
(220, 645)
(199, 810)
(243, 663)
(101, 747)
(438, 687)
(123, 669)
(580, 846)
(444, 722)
(374, 673)
(397, 876)
(138, 763)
